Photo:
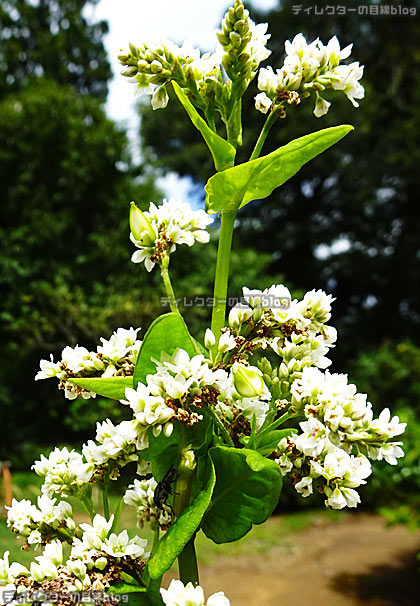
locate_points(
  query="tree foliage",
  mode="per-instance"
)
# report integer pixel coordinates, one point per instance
(55, 40)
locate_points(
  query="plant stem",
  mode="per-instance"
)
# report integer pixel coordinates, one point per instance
(88, 505)
(222, 428)
(222, 272)
(277, 423)
(187, 562)
(105, 501)
(167, 283)
(187, 559)
(272, 117)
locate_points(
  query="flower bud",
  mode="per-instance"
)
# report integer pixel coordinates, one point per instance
(134, 49)
(209, 339)
(36, 572)
(235, 38)
(140, 226)
(78, 568)
(101, 563)
(248, 380)
(160, 98)
(155, 67)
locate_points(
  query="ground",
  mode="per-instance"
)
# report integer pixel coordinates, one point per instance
(346, 562)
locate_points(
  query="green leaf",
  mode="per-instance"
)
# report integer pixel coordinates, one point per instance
(247, 490)
(126, 588)
(162, 452)
(167, 333)
(174, 541)
(237, 186)
(222, 151)
(270, 440)
(110, 387)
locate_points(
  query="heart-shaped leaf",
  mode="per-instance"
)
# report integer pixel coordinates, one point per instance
(256, 179)
(166, 334)
(109, 387)
(246, 492)
(222, 151)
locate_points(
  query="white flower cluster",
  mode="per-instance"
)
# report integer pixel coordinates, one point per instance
(295, 330)
(114, 357)
(37, 524)
(156, 232)
(179, 594)
(179, 381)
(92, 565)
(141, 496)
(97, 542)
(310, 68)
(65, 472)
(339, 422)
(116, 445)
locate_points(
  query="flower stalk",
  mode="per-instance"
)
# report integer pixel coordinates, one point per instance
(222, 272)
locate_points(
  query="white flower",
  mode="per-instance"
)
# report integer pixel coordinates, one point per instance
(54, 552)
(321, 106)
(256, 47)
(99, 529)
(179, 595)
(65, 472)
(148, 409)
(141, 496)
(336, 498)
(285, 464)
(120, 545)
(263, 103)
(173, 222)
(304, 487)
(386, 427)
(226, 342)
(313, 439)
(218, 599)
(123, 342)
(49, 369)
(9, 572)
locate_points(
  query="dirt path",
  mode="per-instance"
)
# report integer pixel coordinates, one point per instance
(352, 562)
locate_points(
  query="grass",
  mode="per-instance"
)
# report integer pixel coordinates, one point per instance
(276, 535)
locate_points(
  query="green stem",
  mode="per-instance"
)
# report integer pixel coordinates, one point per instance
(272, 117)
(167, 283)
(187, 559)
(88, 505)
(187, 562)
(222, 272)
(277, 423)
(222, 428)
(105, 501)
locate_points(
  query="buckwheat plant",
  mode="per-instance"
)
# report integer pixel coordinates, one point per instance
(215, 426)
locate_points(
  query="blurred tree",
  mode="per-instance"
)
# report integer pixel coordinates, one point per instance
(66, 179)
(52, 39)
(65, 183)
(349, 221)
